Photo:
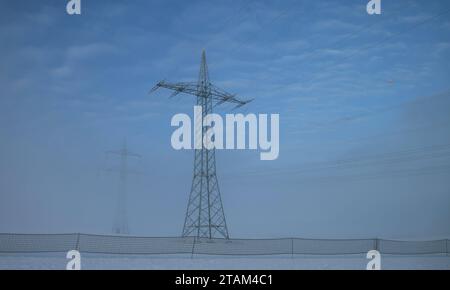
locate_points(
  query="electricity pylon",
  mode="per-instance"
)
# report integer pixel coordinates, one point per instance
(120, 225)
(205, 217)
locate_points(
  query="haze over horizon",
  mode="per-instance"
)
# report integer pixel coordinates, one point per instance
(363, 103)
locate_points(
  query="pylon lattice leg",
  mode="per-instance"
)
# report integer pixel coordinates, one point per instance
(205, 217)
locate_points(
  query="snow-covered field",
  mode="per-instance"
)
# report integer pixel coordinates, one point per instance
(174, 262)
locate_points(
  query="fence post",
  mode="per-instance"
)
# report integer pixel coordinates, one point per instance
(77, 246)
(193, 247)
(377, 244)
(292, 247)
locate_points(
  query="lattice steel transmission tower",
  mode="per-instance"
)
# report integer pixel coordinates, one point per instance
(205, 217)
(120, 225)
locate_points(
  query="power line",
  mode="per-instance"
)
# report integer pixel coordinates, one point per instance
(386, 39)
(322, 179)
(245, 5)
(386, 174)
(273, 20)
(382, 110)
(410, 155)
(352, 34)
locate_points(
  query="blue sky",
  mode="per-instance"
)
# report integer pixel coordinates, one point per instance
(348, 86)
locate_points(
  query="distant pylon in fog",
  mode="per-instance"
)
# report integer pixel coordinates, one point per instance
(120, 224)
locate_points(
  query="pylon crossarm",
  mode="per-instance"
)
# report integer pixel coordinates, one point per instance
(224, 97)
(215, 93)
(128, 153)
(188, 88)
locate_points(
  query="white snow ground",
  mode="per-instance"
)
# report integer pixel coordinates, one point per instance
(174, 262)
